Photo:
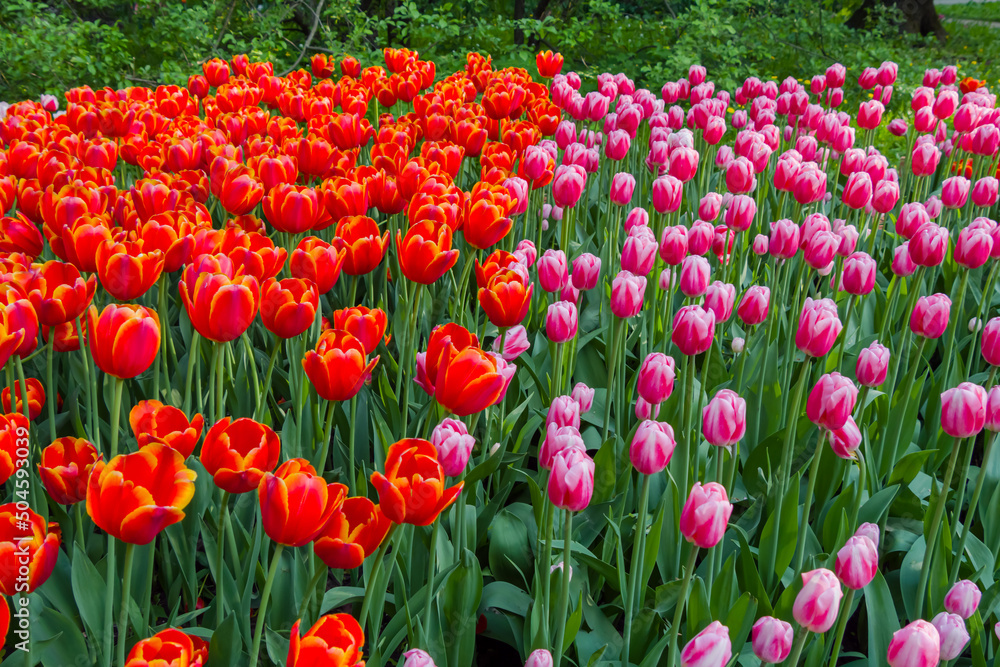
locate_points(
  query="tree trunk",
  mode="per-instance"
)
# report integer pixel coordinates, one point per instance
(518, 15)
(918, 16)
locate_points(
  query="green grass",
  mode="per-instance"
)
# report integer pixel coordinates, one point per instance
(985, 11)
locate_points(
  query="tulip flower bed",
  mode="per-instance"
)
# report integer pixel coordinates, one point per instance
(402, 368)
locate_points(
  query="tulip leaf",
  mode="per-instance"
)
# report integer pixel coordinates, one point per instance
(909, 575)
(699, 609)
(277, 645)
(89, 590)
(56, 638)
(778, 542)
(747, 574)
(509, 549)
(460, 596)
(882, 619)
(907, 467)
(740, 619)
(978, 640)
(873, 510)
(225, 648)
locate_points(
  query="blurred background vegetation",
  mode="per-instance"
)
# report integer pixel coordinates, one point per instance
(47, 46)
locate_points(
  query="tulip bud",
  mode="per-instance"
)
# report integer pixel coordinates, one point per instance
(567, 185)
(963, 410)
(819, 327)
(930, 316)
(667, 194)
(760, 245)
(655, 381)
(552, 271)
(724, 420)
(417, 658)
(694, 330)
(652, 446)
(857, 562)
(772, 640)
(955, 192)
(705, 515)
(963, 598)
(954, 636)
(719, 298)
(515, 343)
(454, 446)
(831, 401)
(985, 192)
(916, 645)
(561, 322)
(639, 253)
(902, 264)
(872, 365)
(627, 292)
(695, 274)
(539, 658)
(526, 253)
(973, 247)
(622, 186)
(700, 237)
(673, 246)
(564, 411)
(571, 483)
(818, 603)
(845, 440)
(709, 207)
(859, 273)
(709, 648)
(738, 344)
(869, 530)
(584, 396)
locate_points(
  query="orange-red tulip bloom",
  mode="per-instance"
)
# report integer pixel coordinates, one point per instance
(58, 292)
(288, 307)
(471, 381)
(446, 339)
(365, 247)
(10, 338)
(67, 339)
(13, 444)
(293, 209)
(335, 641)
(36, 398)
(354, 533)
(412, 489)
(366, 324)
(21, 321)
(135, 496)
(240, 191)
(220, 307)
(317, 261)
(425, 254)
(549, 64)
(239, 453)
(128, 269)
(338, 367)
(169, 648)
(296, 504)
(507, 297)
(65, 469)
(152, 421)
(123, 340)
(25, 539)
(18, 234)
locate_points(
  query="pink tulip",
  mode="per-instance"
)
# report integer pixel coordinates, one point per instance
(760, 245)
(831, 401)
(526, 253)
(821, 248)
(848, 239)
(652, 446)
(859, 273)
(817, 604)
(684, 163)
(454, 446)
(785, 239)
(870, 114)
(885, 196)
(887, 73)
(740, 176)
(857, 562)
(772, 640)
(515, 343)
(872, 365)
(639, 252)
(567, 185)
(417, 658)
(667, 194)
(617, 145)
(694, 330)
(785, 172)
(561, 322)
(558, 439)
(709, 648)
(627, 290)
(700, 237)
(930, 316)
(667, 279)
(571, 483)
(517, 188)
(695, 274)
(719, 298)
(741, 212)
(622, 186)
(868, 78)
(673, 246)
(724, 420)
(845, 440)
(925, 159)
(973, 247)
(963, 598)
(949, 75)
(754, 305)
(984, 192)
(722, 242)
(912, 216)
(916, 645)
(945, 104)
(857, 190)
(810, 184)
(902, 264)
(655, 380)
(954, 636)
(869, 530)
(705, 514)
(709, 207)
(586, 271)
(645, 410)
(990, 345)
(819, 327)
(539, 658)
(929, 245)
(992, 423)
(955, 192)
(637, 217)
(553, 273)
(898, 127)
(584, 396)
(563, 411)
(963, 410)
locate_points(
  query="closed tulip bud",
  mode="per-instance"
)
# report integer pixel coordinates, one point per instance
(539, 658)
(656, 376)
(667, 194)
(870, 114)
(760, 245)
(990, 346)
(818, 603)
(700, 237)
(705, 515)
(637, 217)
(886, 195)
(857, 562)
(123, 340)
(925, 159)
(673, 246)
(902, 264)
(785, 239)
(288, 307)
(872, 365)
(831, 401)
(652, 446)
(526, 253)
(553, 273)
(741, 212)
(954, 636)
(898, 127)
(984, 192)
(963, 598)
(848, 239)
(740, 175)
(684, 163)
(955, 192)
(992, 423)
(567, 185)
(963, 410)
(754, 305)
(719, 298)
(945, 104)
(859, 273)
(821, 248)
(694, 330)
(586, 271)
(973, 247)
(639, 251)
(622, 186)
(627, 292)
(845, 440)
(912, 217)
(772, 640)
(571, 482)
(930, 316)
(869, 530)
(709, 207)
(561, 322)
(819, 327)
(724, 420)
(709, 648)
(564, 411)
(929, 245)
(809, 186)
(916, 645)
(454, 446)
(65, 466)
(695, 274)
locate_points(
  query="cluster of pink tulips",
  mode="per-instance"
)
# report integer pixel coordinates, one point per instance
(558, 371)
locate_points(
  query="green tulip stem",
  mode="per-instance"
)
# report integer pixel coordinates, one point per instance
(264, 598)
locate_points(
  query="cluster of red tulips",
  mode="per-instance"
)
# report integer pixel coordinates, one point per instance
(146, 229)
